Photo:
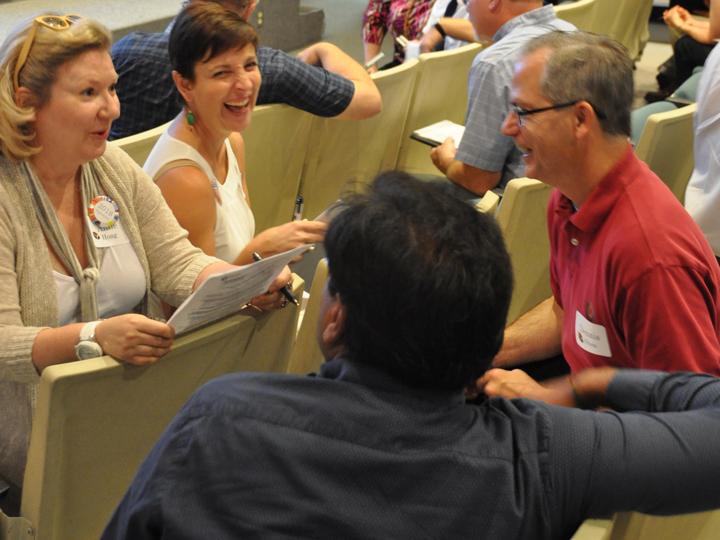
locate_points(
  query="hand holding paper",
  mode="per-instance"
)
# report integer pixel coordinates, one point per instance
(226, 293)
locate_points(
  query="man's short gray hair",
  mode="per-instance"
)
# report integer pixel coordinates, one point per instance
(588, 67)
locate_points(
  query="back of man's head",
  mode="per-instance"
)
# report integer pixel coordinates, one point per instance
(424, 279)
(590, 67)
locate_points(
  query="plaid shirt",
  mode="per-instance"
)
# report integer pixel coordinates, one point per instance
(148, 97)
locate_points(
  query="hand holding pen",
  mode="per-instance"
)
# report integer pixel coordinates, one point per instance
(285, 291)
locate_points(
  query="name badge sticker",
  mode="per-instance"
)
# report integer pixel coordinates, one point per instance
(103, 219)
(591, 337)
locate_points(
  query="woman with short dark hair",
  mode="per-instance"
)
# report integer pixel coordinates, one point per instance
(199, 162)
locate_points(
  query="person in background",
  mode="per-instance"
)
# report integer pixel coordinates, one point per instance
(85, 236)
(447, 27)
(381, 443)
(694, 43)
(634, 281)
(702, 196)
(486, 158)
(322, 80)
(199, 162)
(399, 18)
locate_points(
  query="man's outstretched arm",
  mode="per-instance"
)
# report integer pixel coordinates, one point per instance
(366, 100)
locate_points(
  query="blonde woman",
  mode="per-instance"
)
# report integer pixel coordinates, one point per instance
(84, 233)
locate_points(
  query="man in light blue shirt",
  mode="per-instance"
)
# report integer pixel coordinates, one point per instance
(486, 159)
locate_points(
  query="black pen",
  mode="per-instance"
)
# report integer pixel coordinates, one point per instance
(299, 204)
(285, 291)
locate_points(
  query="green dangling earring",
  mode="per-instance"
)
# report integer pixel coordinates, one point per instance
(190, 118)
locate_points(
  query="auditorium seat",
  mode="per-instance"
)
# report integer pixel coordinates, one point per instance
(440, 94)
(306, 356)
(488, 203)
(275, 150)
(344, 155)
(522, 218)
(138, 146)
(635, 526)
(639, 116)
(689, 89)
(97, 419)
(666, 145)
(580, 13)
(625, 21)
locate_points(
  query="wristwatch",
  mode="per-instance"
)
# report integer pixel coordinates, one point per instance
(440, 29)
(87, 346)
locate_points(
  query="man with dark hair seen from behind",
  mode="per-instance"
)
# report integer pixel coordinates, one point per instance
(381, 444)
(322, 80)
(635, 283)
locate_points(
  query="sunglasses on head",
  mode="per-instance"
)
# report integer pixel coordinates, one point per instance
(53, 22)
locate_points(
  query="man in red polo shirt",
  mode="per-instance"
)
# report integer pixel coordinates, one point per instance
(634, 281)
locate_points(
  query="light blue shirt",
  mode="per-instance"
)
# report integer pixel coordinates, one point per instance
(483, 145)
(702, 198)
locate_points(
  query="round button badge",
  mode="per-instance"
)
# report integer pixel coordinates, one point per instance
(103, 212)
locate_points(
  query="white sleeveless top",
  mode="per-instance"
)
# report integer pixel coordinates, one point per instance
(234, 222)
(120, 287)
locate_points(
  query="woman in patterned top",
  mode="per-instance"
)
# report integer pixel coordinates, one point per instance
(401, 17)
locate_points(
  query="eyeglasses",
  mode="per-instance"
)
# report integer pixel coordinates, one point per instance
(53, 22)
(522, 113)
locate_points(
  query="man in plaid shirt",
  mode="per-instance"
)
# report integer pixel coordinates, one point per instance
(322, 80)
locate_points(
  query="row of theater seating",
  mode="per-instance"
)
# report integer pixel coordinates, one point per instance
(97, 419)
(625, 21)
(290, 152)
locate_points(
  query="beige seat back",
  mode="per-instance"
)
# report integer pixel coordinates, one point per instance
(138, 146)
(580, 13)
(275, 149)
(488, 203)
(625, 21)
(440, 94)
(634, 526)
(522, 218)
(344, 155)
(306, 356)
(666, 145)
(96, 420)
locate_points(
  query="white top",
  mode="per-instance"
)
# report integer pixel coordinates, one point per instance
(437, 12)
(234, 222)
(702, 197)
(120, 287)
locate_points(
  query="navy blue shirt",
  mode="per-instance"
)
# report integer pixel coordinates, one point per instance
(148, 97)
(354, 453)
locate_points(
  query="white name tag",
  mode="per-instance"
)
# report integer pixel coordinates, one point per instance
(591, 337)
(114, 236)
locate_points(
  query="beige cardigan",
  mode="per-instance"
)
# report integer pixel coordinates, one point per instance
(28, 296)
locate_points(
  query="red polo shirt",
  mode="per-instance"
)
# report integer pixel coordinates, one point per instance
(636, 279)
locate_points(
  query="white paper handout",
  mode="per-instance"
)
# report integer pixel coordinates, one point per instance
(226, 293)
(435, 134)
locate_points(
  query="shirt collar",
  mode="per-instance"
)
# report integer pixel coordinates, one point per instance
(342, 369)
(533, 17)
(601, 201)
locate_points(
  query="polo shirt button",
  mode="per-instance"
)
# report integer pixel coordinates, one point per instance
(575, 242)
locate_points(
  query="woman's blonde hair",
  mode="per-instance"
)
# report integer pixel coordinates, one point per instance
(50, 49)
